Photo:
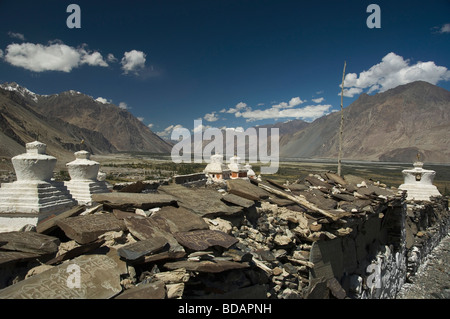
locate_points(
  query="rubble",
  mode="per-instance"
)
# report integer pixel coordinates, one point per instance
(312, 238)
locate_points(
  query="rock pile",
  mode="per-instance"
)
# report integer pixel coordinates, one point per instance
(246, 240)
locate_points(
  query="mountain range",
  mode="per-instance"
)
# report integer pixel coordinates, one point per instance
(394, 125)
(63, 120)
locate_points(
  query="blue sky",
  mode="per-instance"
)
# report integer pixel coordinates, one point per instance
(230, 63)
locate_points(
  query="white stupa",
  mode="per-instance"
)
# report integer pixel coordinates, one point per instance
(418, 183)
(250, 171)
(236, 168)
(34, 196)
(83, 178)
(216, 170)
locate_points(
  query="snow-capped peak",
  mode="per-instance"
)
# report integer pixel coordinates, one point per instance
(13, 86)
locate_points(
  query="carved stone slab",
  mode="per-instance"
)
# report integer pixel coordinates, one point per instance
(238, 200)
(141, 248)
(29, 242)
(203, 239)
(204, 202)
(85, 229)
(246, 189)
(206, 265)
(15, 256)
(98, 279)
(145, 228)
(179, 219)
(130, 201)
(153, 290)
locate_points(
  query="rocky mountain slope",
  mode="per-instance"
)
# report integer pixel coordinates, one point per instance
(391, 126)
(63, 120)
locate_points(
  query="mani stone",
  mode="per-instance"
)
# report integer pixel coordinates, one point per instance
(141, 248)
(85, 277)
(203, 239)
(34, 196)
(83, 183)
(87, 228)
(214, 266)
(246, 189)
(202, 201)
(418, 183)
(29, 242)
(131, 201)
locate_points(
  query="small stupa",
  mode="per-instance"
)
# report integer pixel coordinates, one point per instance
(83, 178)
(34, 196)
(250, 171)
(236, 168)
(418, 182)
(216, 170)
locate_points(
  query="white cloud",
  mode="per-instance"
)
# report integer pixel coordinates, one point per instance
(392, 71)
(94, 59)
(318, 100)
(150, 126)
(103, 100)
(211, 117)
(133, 61)
(111, 58)
(168, 130)
(123, 105)
(310, 112)
(200, 128)
(1, 53)
(445, 28)
(140, 118)
(51, 57)
(240, 106)
(16, 35)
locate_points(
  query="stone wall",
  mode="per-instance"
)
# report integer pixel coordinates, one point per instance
(382, 253)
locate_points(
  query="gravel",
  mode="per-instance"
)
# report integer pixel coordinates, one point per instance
(432, 280)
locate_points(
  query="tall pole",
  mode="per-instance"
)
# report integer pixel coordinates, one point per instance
(342, 122)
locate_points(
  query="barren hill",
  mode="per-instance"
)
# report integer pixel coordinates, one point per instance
(63, 120)
(391, 126)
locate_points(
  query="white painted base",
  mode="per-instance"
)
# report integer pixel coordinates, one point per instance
(82, 191)
(35, 197)
(8, 224)
(419, 191)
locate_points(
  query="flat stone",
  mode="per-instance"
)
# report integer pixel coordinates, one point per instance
(237, 200)
(153, 290)
(120, 214)
(202, 201)
(98, 279)
(317, 182)
(15, 256)
(29, 242)
(336, 178)
(145, 228)
(203, 239)
(317, 198)
(131, 201)
(179, 219)
(141, 248)
(215, 266)
(76, 251)
(281, 202)
(85, 229)
(49, 224)
(246, 189)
